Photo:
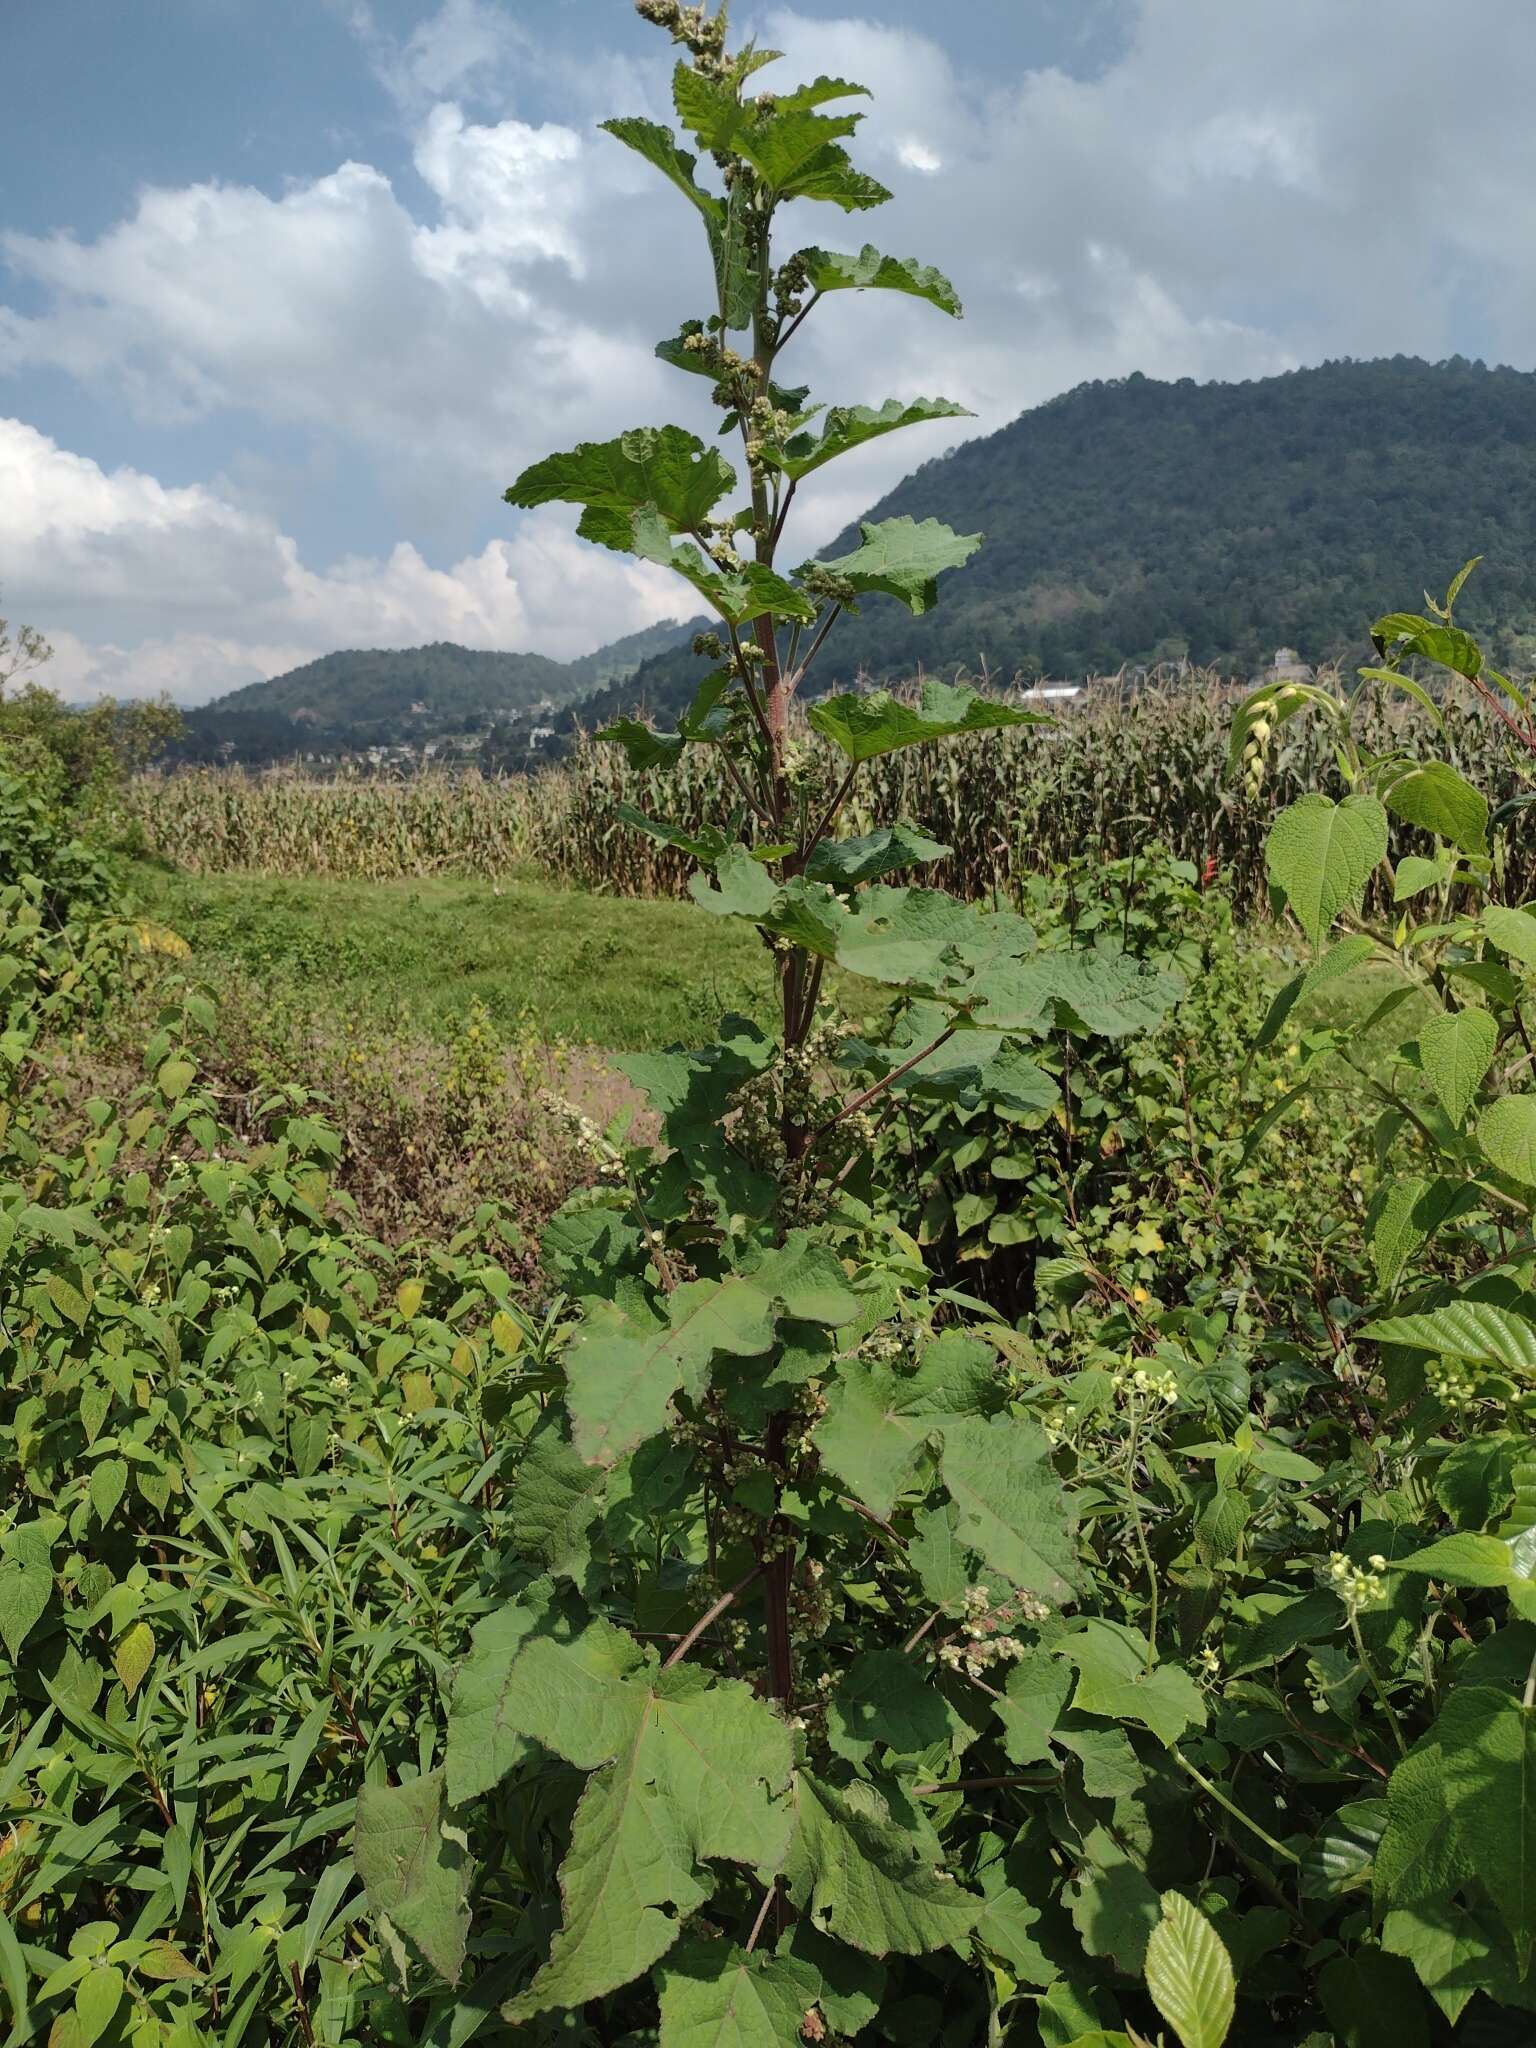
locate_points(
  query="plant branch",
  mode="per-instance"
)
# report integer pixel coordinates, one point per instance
(860, 1101)
(815, 647)
(711, 1615)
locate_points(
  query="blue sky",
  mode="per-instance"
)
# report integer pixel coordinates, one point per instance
(290, 289)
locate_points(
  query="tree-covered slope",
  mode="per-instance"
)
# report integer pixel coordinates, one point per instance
(358, 698)
(1139, 521)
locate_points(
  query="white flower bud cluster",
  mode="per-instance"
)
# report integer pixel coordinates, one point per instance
(605, 1155)
(1254, 750)
(1357, 1586)
(1453, 1384)
(1136, 1383)
(987, 1631)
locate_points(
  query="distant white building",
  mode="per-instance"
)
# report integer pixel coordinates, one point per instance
(1288, 667)
(1049, 693)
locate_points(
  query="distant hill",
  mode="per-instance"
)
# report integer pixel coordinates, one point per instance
(1137, 521)
(399, 697)
(1127, 522)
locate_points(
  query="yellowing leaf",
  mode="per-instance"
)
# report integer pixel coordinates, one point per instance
(408, 1297)
(507, 1331)
(133, 1656)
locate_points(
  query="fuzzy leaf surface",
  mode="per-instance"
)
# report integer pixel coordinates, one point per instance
(1457, 1051)
(684, 1767)
(830, 271)
(661, 466)
(904, 557)
(714, 1995)
(849, 426)
(1321, 854)
(414, 1862)
(863, 1866)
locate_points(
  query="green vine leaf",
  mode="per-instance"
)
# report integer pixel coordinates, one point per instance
(904, 558)
(847, 427)
(1113, 1681)
(1189, 1974)
(1013, 1510)
(413, 1858)
(1321, 854)
(870, 271)
(878, 1420)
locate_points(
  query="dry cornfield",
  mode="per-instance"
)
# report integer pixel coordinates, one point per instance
(1116, 772)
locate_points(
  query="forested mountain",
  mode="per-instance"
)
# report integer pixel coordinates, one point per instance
(358, 698)
(1126, 522)
(1139, 521)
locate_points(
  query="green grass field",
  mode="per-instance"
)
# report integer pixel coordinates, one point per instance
(592, 970)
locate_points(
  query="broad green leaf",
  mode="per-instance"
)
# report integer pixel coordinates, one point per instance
(745, 592)
(845, 863)
(864, 727)
(1434, 797)
(1113, 1681)
(1457, 1051)
(1477, 1331)
(1512, 931)
(870, 271)
(714, 1995)
(904, 558)
(1414, 874)
(25, 1590)
(1089, 989)
(659, 146)
(108, 1483)
(1406, 1214)
(413, 1859)
(1371, 2001)
(878, 1420)
(883, 1697)
(1321, 854)
(1456, 1950)
(1341, 1856)
(850, 426)
(904, 936)
(865, 1868)
(1114, 1908)
(1032, 1706)
(621, 1374)
(1012, 1508)
(1506, 1130)
(485, 1740)
(1488, 1757)
(685, 1767)
(1189, 1974)
(133, 1655)
(1465, 1559)
(1406, 633)
(664, 467)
